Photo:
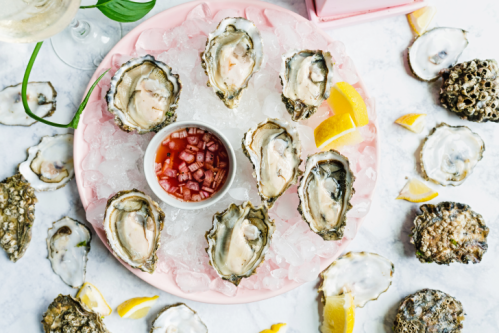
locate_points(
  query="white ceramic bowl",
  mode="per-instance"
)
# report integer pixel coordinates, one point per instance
(150, 158)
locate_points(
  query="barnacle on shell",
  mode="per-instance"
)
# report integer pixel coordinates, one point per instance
(471, 90)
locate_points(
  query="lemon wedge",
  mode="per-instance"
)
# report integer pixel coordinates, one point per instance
(413, 122)
(337, 131)
(416, 191)
(277, 328)
(136, 308)
(344, 99)
(420, 19)
(91, 296)
(339, 314)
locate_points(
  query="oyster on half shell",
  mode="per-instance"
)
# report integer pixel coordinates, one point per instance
(144, 95)
(274, 149)
(133, 224)
(306, 78)
(178, 318)
(450, 153)
(238, 241)
(49, 165)
(68, 244)
(234, 52)
(325, 191)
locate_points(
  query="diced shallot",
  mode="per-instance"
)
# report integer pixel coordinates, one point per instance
(187, 157)
(164, 184)
(170, 173)
(192, 130)
(196, 197)
(207, 189)
(204, 194)
(173, 145)
(194, 166)
(192, 140)
(208, 174)
(183, 177)
(192, 185)
(187, 194)
(175, 135)
(209, 157)
(213, 147)
(183, 167)
(198, 175)
(182, 134)
(200, 156)
(222, 164)
(206, 137)
(201, 145)
(165, 141)
(192, 148)
(173, 189)
(157, 167)
(200, 131)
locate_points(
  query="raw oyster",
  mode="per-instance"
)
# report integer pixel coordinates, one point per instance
(178, 318)
(239, 240)
(435, 50)
(471, 90)
(449, 232)
(306, 78)
(17, 214)
(50, 164)
(450, 153)
(365, 275)
(325, 191)
(144, 95)
(41, 100)
(234, 52)
(274, 149)
(429, 310)
(67, 314)
(68, 243)
(133, 224)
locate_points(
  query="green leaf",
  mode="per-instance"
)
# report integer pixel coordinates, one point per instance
(82, 243)
(123, 10)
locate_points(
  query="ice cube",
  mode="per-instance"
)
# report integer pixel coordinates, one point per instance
(348, 72)
(351, 228)
(175, 37)
(368, 132)
(270, 44)
(365, 181)
(103, 191)
(288, 38)
(200, 12)
(92, 132)
(280, 19)
(338, 51)
(224, 13)
(192, 282)
(360, 208)
(150, 41)
(118, 59)
(368, 157)
(224, 287)
(93, 112)
(91, 177)
(272, 283)
(256, 15)
(239, 193)
(328, 249)
(197, 43)
(287, 204)
(92, 160)
(305, 272)
(315, 41)
(95, 211)
(279, 273)
(287, 251)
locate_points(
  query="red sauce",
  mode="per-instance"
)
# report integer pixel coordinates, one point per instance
(192, 164)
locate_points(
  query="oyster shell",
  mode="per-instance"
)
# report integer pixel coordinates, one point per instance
(17, 214)
(238, 241)
(68, 243)
(435, 50)
(450, 153)
(50, 163)
(471, 90)
(429, 310)
(144, 95)
(274, 149)
(365, 275)
(67, 314)
(449, 232)
(306, 78)
(178, 318)
(41, 100)
(133, 224)
(325, 191)
(233, 53)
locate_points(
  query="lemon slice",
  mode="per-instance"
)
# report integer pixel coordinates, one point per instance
(345, 99)
(413, 122)
(136, 308)
(416, 191)
(91, 296)
(332, 129)
(339, 314)
(277, 328)
(420, 19)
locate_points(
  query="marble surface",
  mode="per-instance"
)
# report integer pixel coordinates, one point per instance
(378, 49)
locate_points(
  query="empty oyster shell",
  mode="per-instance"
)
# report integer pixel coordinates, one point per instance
(41, 100)
(133, 224)
(67, 314)
(471, 90)
(449, 232)
(239, 240)
(68, 243)
(178, 318)
(450, 153)
(234, 52)
(365, 275)
(306, 78)
(435, 50)
(274, 149)
(325, 191)
(17, 214)
(144, 95)
(50, 163)
(429, 310)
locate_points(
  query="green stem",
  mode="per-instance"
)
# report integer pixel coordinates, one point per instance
(76, 118)
(96, 5)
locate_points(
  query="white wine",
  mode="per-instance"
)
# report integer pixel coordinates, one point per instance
(27, 21)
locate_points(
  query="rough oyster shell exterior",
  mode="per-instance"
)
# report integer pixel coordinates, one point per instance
(449, 232)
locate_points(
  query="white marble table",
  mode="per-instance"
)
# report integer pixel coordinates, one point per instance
(28, 287)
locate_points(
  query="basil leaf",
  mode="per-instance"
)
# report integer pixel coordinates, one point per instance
(123, 10)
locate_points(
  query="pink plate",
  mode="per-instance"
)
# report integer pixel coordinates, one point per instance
(165, 281)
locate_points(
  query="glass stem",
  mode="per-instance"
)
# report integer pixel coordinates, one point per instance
(80, 29)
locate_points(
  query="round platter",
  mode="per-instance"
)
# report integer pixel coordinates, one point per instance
(363, 157)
